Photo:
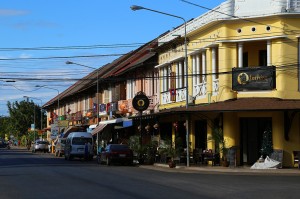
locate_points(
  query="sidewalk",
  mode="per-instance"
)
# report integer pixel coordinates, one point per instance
(225, 170)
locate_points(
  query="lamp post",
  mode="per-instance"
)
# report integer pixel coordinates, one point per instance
(134, 8)
(97, 107)
(58, 111)
(34, 113)
(42, 86)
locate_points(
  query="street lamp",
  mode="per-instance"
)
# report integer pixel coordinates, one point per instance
(34, 113)
(42, 86)
(97, 107)
(134, 8)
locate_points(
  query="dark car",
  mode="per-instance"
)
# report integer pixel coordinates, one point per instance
(117, 154)
(4, 144)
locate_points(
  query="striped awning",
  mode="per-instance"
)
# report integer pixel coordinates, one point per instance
(98, 129)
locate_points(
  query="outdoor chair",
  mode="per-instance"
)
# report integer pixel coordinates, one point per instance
(296, 157)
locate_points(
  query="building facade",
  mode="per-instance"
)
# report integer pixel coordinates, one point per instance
(243, 77)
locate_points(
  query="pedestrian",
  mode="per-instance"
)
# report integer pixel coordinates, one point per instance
(86, 151)
(90, 149)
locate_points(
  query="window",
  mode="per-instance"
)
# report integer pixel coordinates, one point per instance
(180, 74)
(245, 59)
(263, 58)
(166, 78)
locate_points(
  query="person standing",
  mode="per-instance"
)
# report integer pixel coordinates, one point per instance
(86, 151)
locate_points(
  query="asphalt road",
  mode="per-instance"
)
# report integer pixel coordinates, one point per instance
(26, 175)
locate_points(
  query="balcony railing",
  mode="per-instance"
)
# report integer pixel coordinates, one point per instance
(215, 86)
(200, 90)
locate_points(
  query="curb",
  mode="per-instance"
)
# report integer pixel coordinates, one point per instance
(227, 170)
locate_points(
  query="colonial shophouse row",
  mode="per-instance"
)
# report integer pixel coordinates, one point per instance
(243, 77)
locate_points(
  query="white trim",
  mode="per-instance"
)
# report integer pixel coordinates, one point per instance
(202, 49)
(196, 51)
(176, 59)
(252, 39)
(169, 62)
(161, 65)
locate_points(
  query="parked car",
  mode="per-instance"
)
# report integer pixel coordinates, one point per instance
(60, 146)
(117, 153)
(40, 145)
(74, 146)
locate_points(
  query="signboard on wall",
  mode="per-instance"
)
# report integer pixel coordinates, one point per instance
(254, 78)
(140, 102)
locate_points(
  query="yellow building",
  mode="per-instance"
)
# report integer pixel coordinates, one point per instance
(243, 78)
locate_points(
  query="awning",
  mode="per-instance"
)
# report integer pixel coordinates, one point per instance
(118, 120)
(98, 129)
(93, 126)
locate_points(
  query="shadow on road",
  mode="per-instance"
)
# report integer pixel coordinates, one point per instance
(21, 157)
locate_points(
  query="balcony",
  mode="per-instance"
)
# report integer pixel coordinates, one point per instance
(215, 86)
(200, 90)
(180, 95)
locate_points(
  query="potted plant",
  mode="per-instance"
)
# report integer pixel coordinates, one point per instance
(220, 143)
(144, 154)
(170, 152)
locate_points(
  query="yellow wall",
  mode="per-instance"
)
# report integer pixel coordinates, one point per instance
(231, 131)
(283, 56)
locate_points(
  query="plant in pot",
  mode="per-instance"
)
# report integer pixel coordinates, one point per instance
(169, 151)
(220, 144)
(138, 150)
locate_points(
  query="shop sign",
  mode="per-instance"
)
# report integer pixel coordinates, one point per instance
(254, 78)
(140, 102)
(102, 109)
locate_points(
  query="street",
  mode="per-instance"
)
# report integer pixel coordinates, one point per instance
(42, 175)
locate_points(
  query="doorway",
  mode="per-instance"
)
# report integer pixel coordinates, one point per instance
(252, 130)
(201, 134)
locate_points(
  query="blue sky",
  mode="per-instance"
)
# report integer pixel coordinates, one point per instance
(38, 37)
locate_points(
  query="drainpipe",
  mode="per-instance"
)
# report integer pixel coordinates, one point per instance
(298, 64)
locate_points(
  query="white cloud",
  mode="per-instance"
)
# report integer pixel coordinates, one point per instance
(8, 12)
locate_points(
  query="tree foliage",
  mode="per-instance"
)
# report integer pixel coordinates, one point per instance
(23, 114)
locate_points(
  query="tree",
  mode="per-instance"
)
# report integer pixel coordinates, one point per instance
(5, 126)
(23, 114)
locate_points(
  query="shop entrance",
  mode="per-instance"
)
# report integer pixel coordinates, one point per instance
(252, 130)
(200, 134)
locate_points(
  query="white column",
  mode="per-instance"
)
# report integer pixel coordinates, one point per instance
(204, 66)
(165, 78)
(194, 69)
(269, 61)
(197, 69)
(185, 73)
(213, 63)
(179, 79)
(240, 54)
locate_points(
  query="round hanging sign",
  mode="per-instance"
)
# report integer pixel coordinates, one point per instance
(140, 102)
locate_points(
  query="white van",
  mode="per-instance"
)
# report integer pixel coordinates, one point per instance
(75, 143)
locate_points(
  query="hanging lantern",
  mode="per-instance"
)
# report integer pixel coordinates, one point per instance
(156, 125)
(148, 128)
